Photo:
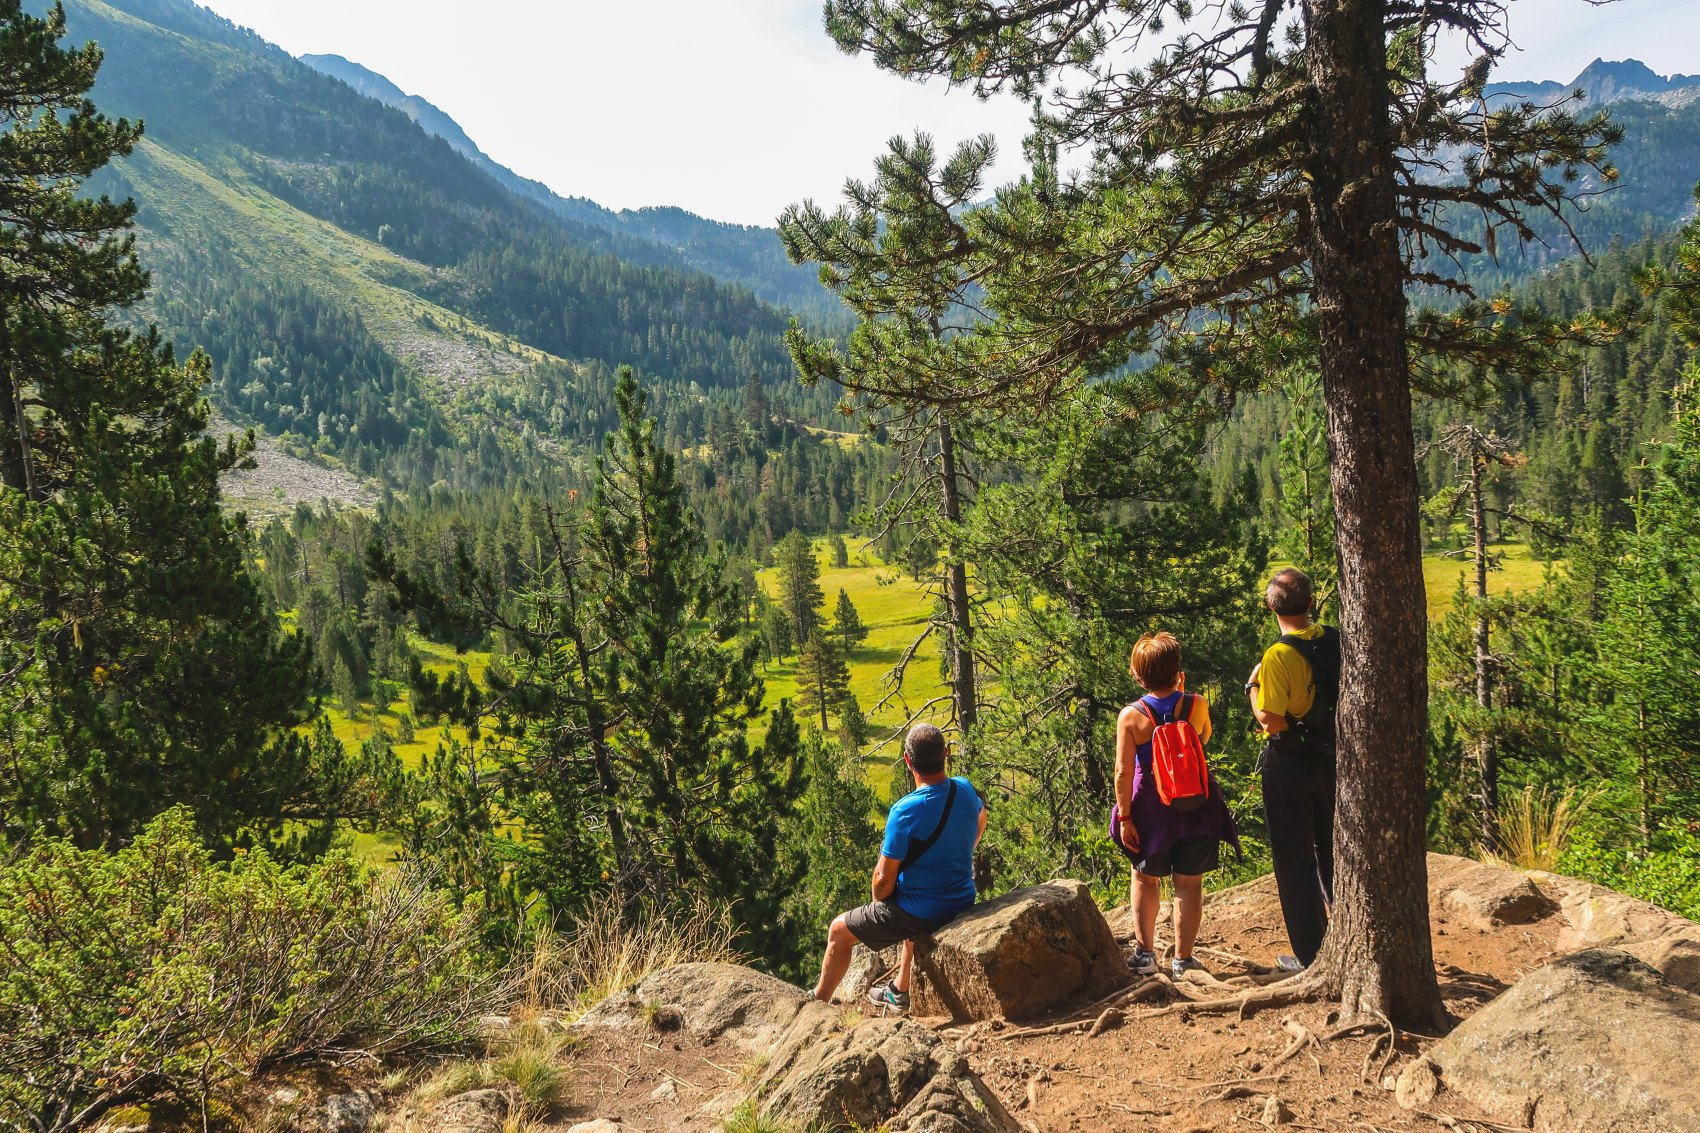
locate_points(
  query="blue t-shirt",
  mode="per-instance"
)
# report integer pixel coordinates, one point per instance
(941, 884)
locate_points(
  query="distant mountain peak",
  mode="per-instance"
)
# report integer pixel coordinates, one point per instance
(1609, 80)
(428, 116)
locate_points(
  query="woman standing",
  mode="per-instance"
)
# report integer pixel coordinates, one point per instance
(1160, 839)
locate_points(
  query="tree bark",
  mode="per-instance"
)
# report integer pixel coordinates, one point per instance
(1378, 953)
(960, 643)
(1487, 755)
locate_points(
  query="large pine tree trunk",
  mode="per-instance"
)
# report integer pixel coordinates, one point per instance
(1378, 950)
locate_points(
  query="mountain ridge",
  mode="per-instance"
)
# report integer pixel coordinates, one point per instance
(748, 255)
(1604, 81)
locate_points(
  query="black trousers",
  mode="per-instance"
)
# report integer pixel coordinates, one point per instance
(1298, 808)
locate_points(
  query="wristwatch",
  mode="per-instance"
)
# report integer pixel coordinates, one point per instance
(1249, 685)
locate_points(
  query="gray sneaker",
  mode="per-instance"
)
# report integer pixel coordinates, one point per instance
(1179, 967)
(1288, 963)
(888, 997)
(1142, 962)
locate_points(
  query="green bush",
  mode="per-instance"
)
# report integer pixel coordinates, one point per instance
(1667, 876)
(156, 973)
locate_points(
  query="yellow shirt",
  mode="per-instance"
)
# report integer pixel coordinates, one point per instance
(1286, 686)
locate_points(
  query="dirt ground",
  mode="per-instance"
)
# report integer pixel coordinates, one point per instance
(1170, 1073)
(1179, 1072)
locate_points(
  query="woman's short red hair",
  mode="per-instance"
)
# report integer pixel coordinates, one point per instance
(1156, 660)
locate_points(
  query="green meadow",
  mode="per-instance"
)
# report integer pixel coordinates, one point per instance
(894, 608)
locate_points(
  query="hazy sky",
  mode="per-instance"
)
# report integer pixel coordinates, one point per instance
(734, 109)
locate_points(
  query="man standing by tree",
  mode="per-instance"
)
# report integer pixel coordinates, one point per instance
(1294, 692)
(924, 877)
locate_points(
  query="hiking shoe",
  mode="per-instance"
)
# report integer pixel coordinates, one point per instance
(1142, 962)
(1289, 963)
(1180, 966)
(888, 997)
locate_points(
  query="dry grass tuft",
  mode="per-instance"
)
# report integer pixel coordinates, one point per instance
(608, 952)
(1535, 827)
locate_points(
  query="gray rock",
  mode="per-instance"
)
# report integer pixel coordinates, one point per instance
(1677, 956)
(890, 1072)
(600, 1125)
(819, 1072)
(476, 1111)
(710, 1000)
(1597, 1041)
(348, 1113)
(867, 966)
(1596, 916)
(665, 1092)
(1417, 1085)
(1021, 955)
(1275, 1112)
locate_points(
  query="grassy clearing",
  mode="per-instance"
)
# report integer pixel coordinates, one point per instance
(894, 608)
(1519, 571)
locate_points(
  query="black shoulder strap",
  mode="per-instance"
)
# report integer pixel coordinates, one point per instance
(916, 849)
(1322, 654)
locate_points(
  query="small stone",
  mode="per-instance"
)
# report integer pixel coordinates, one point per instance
(600, 1125)
(666, 1092)
(1417, 1085)
(1275, 1112)
(284, 1095)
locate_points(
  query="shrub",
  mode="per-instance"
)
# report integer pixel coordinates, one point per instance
(1667, 876)
(1535, 828)
(609, 950)
(154, 972)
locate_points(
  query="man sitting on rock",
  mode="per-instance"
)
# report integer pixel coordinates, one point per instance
(924, 877)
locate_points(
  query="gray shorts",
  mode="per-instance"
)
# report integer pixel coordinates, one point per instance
(883, 924)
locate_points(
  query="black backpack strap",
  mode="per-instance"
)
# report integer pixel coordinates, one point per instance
(1322, 654)
(916, 849)
(1183, 710)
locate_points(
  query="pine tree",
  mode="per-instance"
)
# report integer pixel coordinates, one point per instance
(776, 639)
(853, 724)
(840, 552)
(847, 624)
(142, 666)
(620, 744)
(799, 584)
(823, 680)
(1247, 195)
(833, 834)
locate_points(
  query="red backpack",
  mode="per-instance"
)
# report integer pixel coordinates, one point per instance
(1177, 757)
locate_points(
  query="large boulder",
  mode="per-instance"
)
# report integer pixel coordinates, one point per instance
(1483, 897)
(1021, 955)
(1595, 916)
(1597, 1041)
(711, 1000)
(818, 1071)
(885, 1072)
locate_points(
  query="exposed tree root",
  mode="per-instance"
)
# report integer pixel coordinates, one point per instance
(1464, 1125)
(1284, 994)
(1097, 1017)
(1302, 1038)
